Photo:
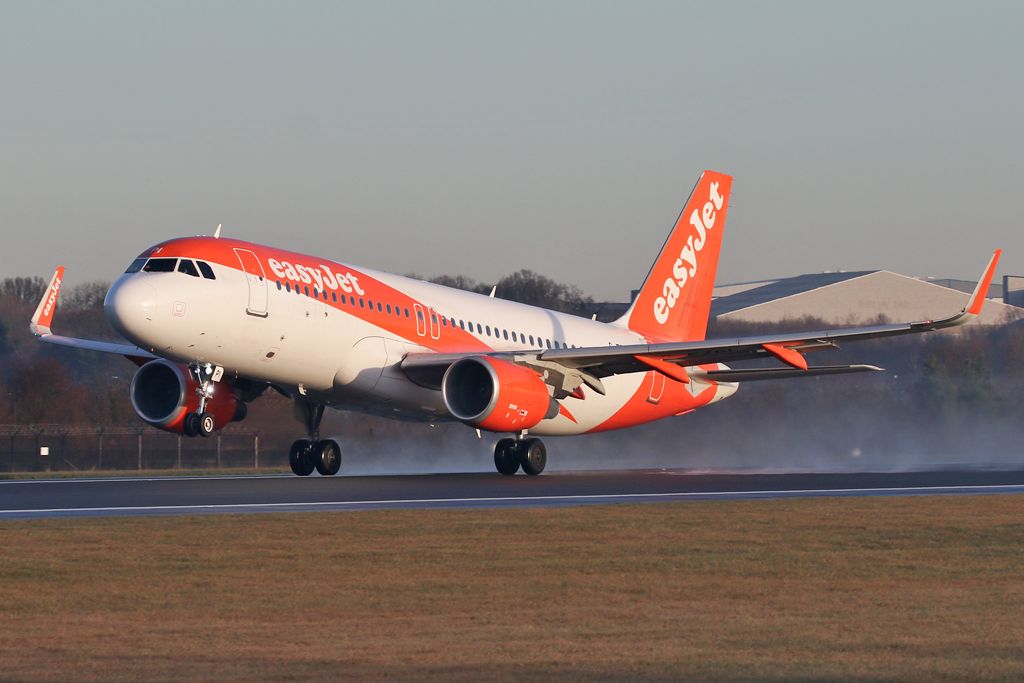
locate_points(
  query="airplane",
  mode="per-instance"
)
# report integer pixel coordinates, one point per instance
(213, 323)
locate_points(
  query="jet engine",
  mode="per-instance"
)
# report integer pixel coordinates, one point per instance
(496, 395)
(165, 393)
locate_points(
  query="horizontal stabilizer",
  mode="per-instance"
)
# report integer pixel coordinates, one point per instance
(783, 373)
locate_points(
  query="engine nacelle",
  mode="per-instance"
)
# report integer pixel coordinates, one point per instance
(163, 393)
(496, 395)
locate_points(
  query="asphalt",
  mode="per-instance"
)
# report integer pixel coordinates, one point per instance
(133, 496)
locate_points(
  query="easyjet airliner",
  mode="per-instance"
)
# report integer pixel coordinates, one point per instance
(213, 323)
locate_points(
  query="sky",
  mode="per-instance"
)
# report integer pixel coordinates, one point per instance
(478, 138)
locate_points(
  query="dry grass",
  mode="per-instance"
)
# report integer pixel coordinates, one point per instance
(864, 589)
(107, 474)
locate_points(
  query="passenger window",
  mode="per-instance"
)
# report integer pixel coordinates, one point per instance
(380, 309)
(531, 340)
(479, 329)
(187, 267)
(462, 324)
(306, 289)
(136, 265)
(334, 297)
(279, 285)
(505, 334)
(389, 309)
(547, 342)
(407, 313)
(161, 265)
(206, 270)
(488, 328)
(288, 287)
(514, 336)
(444, 321)
(362, 304)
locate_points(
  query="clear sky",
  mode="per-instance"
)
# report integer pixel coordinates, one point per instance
(480, 138)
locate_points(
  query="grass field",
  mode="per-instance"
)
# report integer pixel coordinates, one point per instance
(96, 474)
(865, 589)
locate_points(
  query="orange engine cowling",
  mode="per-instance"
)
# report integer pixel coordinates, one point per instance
(496, 395)
(163, 393)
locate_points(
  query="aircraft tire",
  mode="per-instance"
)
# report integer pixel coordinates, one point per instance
(300, 458)
(533, 456)
(191, 425)
(207, 424)
(506, 457)
(327, 457)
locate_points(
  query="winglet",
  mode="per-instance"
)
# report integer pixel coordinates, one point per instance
(43, 317)
(978, 297)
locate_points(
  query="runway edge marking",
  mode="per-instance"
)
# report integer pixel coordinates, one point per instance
(984, 488)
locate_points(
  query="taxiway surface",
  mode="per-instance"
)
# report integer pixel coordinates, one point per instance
(26, 499)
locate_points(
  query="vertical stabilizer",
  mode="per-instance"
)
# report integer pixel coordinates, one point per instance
(675, 300)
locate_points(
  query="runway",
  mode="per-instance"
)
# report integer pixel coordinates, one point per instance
(133, 496)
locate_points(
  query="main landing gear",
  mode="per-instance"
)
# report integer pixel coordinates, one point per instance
(511, 454)
(313, 453)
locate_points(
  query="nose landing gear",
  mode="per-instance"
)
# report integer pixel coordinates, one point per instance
(511, 454)
(313, 453)
(201, 422)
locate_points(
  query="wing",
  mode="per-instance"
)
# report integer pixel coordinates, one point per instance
(43, 319)
(680, 360)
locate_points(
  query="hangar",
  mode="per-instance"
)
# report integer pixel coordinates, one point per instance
(854, 298)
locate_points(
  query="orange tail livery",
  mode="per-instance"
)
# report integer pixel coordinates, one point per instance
(675, 300)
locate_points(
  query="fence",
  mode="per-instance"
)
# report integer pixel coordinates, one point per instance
(60, 447)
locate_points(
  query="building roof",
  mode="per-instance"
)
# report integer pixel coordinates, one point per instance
(729, 298)
(841, 298)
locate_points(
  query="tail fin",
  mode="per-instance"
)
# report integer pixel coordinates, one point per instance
(675, 300)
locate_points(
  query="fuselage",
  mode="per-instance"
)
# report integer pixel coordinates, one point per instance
(337, 333)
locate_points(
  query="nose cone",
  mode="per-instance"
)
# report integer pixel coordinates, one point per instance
(130, 305)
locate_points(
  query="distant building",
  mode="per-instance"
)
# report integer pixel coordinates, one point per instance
(1013, 290)
(854, 298)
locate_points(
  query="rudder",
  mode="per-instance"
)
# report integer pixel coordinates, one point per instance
(675, 300)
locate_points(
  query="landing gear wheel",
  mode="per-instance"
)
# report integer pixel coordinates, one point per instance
(506, 456)
(533, 456)
(300, 458)
(191, 426)
(327, 455)
(207, 425)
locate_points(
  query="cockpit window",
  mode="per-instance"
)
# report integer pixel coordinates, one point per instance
(206, 270)
(187, 267)
(161, 265)
(136, 265)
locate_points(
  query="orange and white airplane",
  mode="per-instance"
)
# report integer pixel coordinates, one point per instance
(213, 323)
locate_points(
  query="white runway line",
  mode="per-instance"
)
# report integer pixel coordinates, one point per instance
(988, 488)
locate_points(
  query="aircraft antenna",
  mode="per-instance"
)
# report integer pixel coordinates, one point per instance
(216, 233)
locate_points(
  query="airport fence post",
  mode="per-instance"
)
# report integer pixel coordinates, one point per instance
(99, 456)
(179, 451)
(256, 451)
(10, 446)
(64, 446)
(140, 449)
(38, 432)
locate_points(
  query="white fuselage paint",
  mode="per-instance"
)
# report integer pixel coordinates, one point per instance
(309, 346)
